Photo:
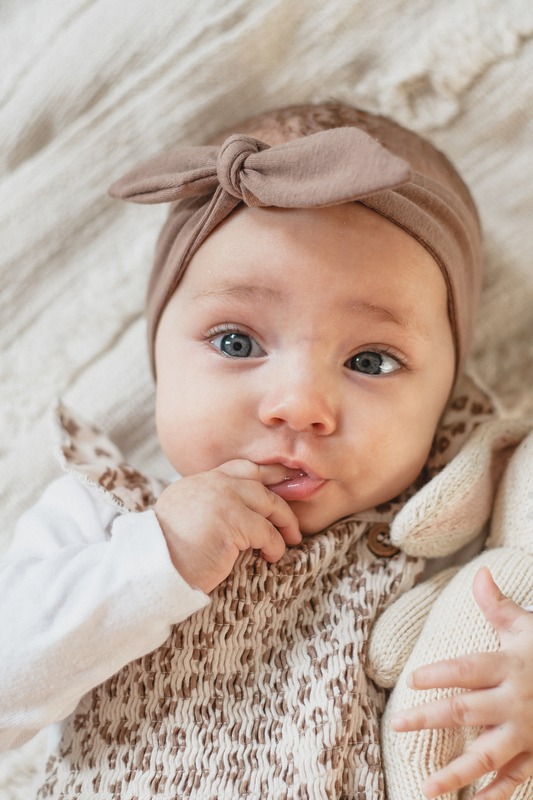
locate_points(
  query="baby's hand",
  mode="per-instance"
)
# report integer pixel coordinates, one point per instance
(501, 698)
(208, 518)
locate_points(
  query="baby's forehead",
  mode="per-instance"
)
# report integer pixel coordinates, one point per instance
(341, 239)
(352, 228)
(342, 261)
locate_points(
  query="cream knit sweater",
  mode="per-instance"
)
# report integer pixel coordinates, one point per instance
(265, 693)
(440, 619)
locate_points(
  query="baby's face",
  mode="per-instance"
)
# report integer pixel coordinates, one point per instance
(314, 339)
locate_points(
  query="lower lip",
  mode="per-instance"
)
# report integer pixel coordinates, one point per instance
(298, 488)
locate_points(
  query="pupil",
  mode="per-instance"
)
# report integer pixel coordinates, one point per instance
(237, 344)
(369, 363)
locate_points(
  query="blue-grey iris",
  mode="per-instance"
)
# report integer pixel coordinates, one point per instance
(236, 344)
(367, 362)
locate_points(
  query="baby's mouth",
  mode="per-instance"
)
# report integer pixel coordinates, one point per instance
(295, 483)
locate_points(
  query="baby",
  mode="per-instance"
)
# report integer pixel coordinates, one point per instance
(309, 314)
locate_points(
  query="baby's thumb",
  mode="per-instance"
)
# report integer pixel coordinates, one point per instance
(498, 609)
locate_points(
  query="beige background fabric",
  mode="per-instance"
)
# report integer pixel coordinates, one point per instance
(89, 88)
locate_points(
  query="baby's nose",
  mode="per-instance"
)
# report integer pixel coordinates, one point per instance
(302, 405)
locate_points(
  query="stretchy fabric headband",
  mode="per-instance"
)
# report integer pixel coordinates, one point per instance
(325, 168)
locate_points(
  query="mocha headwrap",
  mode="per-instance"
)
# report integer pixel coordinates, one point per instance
(359, 157)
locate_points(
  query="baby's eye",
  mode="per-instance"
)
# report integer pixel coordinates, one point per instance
(372, 363)
(238, 345)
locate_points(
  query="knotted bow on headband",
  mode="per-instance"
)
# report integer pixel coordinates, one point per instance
(330, 167)
(292, 175)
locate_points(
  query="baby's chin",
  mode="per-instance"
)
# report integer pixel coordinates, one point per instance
(315, 516)
(315, 519)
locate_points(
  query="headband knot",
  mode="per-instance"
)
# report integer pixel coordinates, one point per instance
(231, 165)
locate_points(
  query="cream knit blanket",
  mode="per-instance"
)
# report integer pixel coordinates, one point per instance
(90, 87)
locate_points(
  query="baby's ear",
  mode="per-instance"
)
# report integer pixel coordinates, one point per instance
(512, 520)
(450, 510)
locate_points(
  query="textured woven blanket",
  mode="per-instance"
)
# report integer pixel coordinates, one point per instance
(89, 88)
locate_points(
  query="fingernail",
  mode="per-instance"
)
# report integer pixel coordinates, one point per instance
(431, 790)
(399, 723)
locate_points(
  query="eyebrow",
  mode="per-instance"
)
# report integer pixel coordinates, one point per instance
(243, 291)
(253, 292)
(387, 314)
(380, 312)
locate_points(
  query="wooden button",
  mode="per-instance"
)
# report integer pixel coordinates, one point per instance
(379, 541)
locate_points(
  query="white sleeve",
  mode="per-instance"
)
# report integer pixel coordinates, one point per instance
(78, 602)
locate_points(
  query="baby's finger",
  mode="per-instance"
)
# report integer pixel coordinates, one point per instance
(267, 474)
(262, 500)
(270, 474)
(287, 524)
(500, 611)
(508, 778)
(242, 469)
(273, 508)
(262, 535)
(488, 753)
(474, 708)
(474, 671)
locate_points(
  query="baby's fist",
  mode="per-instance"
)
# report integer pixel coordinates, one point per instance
(209, 518)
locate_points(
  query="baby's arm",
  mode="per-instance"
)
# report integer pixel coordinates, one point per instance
(500, 697)
(77, 604)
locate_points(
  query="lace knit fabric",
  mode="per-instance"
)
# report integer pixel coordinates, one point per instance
(261, 694)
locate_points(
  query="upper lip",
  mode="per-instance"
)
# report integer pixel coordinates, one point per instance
(292, 463)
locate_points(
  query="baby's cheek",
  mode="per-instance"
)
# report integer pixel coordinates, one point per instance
(409, 453)
(391, 461)
(190, 436)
